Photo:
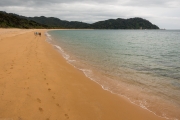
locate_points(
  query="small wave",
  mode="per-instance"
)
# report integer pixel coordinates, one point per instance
(66, 56)
(143, 105)
(88, 73)
(48, 35)
(49, 39)
(72, 60)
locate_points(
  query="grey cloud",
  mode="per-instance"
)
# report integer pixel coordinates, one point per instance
(48, 2)
(146, 2)
(142, 3)
(153, 3)
(14, 2)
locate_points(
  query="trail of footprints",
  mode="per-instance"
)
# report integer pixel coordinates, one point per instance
(47, 84)
(11, 67)
(7, 73)
(27, 63)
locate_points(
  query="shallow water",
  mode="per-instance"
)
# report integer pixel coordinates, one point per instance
(141, 65)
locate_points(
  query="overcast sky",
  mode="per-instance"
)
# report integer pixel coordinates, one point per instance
(163, 13)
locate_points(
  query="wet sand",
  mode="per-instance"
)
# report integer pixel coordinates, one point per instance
(36, 83)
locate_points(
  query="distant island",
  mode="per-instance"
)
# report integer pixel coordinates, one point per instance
(10, 20)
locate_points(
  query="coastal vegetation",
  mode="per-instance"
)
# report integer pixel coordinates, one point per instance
(132, 23)
(14, 20)
(9, 20)
(57, 23)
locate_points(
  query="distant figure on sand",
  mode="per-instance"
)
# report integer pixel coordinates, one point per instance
(37, 33)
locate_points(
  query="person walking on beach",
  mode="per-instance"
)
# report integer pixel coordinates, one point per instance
(37, 33)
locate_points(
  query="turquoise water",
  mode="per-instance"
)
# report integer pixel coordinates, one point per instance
(141, 65)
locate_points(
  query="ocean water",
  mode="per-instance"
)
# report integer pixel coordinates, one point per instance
(140, 65)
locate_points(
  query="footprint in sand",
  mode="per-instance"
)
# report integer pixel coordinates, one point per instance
(53, 97)
(38, 100)
(28, 95)
(66, 115)
(58, 105)
(47, 83)
(40, 109)
(19, 118)
(49, 89)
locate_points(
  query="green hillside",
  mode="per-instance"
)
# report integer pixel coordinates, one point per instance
(132, 23)
(16, 21)
(57, 23)
(9, 20)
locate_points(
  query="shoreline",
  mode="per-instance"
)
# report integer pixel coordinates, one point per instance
(93, 75)
(67, 56)
(38, 83)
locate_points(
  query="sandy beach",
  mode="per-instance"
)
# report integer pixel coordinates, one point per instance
(36, 83)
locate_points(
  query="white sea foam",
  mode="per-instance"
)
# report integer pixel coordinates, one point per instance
(88, 73)
(72, 60)
(48, 35)
(66, 56)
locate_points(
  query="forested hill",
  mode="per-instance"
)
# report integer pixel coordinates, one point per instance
(132, 23)
(16, 21)
(9, 20)
(57, 23)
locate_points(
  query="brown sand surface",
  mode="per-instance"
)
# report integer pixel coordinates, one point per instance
(36, 83)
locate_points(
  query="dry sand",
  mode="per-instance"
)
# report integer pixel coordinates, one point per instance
(36, 83)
